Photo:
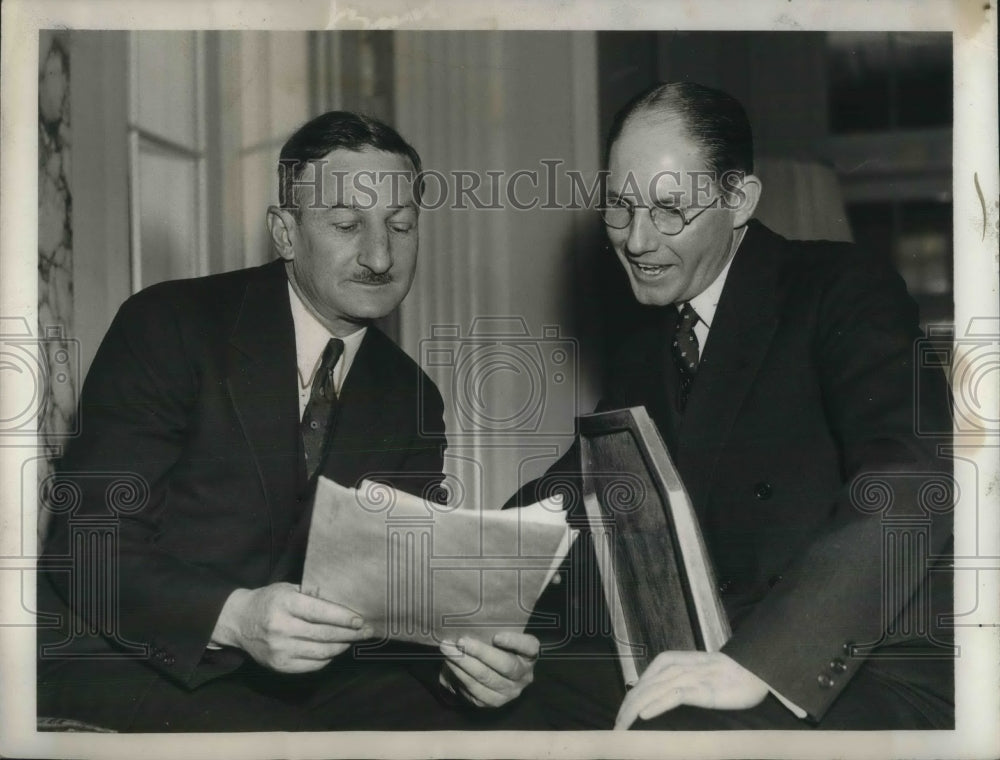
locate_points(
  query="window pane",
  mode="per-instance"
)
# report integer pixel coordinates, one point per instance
(859, 97)
(917, 236)
(167, 91)
(167, 184)
(871, 224)
(923, 250)
(923, 79)
(883, 80)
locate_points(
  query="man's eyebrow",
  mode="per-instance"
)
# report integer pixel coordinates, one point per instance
(670, 201)
(676, 198)
(401, 207)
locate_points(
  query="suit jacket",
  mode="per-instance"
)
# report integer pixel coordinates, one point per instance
(192, 400)
(797, 448)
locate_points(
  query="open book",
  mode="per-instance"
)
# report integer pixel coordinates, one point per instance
(426, 573)
(656, 573)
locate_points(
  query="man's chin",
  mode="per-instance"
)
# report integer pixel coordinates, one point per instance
(370, 311)
(375, 301)
(654, 296)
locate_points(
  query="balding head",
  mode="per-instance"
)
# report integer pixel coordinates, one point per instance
(714, 120)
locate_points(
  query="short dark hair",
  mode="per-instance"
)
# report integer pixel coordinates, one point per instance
(331, 131)
(715, 119)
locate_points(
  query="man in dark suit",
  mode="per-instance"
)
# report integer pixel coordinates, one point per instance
(219, 401)
(781, 376)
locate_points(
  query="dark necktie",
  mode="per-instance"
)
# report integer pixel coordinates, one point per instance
(322, 405)
(685, 349)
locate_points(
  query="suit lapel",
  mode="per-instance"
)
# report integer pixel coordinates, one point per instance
(741, 333)
(646, 376)
(261, 381)
(355, 448)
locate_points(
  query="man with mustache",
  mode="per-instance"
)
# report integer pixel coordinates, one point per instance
(228, 396)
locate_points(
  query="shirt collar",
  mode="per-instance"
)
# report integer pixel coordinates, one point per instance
(706, 302)
(311, 337)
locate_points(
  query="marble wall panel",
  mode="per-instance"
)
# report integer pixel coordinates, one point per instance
(57, 355)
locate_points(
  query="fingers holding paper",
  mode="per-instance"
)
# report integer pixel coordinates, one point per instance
(700, 679)
(286, 630)
(491, 676)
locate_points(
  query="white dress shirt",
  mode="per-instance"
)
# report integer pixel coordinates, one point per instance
(311, 337)
(707, 301)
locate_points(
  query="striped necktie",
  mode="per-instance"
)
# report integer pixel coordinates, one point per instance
(320, 410)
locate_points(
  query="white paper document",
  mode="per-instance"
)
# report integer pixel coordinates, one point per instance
(422, 572)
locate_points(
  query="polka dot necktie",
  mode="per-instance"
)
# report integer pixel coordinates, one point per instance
(321, 407)
(685, 349)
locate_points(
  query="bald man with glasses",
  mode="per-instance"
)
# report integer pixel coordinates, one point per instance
(781, 375)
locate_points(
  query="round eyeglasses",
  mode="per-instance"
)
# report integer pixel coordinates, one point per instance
(669, 220)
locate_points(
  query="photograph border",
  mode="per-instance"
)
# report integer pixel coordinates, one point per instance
(976, 190)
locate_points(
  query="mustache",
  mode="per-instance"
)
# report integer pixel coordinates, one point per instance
(373, 278)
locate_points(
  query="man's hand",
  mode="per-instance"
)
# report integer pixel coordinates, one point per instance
(700, 679)
(491, 676)
(286, 630)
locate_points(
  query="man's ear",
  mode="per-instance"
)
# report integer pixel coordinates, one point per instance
(282, 226)
(743, 196)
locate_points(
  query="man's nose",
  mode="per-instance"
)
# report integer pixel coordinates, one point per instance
(643, 236)
(375, 253)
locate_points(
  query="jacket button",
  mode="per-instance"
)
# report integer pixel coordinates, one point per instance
(762, 490)
(773, 581)
(824, 681)
(837, 665)
(724, 585)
